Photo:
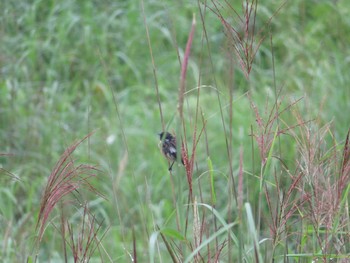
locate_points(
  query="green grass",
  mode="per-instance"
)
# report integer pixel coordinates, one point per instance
(69, 68)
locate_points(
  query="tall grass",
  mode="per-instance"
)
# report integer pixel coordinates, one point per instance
(258, 100)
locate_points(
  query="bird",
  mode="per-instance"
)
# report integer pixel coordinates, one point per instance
(168, 147)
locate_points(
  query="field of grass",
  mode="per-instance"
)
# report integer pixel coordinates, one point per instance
(260, 99)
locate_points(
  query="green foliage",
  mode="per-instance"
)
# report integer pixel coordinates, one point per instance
(71, 67)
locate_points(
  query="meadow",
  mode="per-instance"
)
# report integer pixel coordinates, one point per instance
(257, 94)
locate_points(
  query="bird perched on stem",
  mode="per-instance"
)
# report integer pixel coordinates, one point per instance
(168, 147)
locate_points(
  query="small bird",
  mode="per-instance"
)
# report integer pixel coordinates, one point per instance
(168, 144)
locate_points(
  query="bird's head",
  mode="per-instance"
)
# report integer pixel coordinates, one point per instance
(165, 136)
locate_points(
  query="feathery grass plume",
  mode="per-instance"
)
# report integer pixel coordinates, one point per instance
(83, 240)
(188, 165)
(188, 162)
(326, 178)
(269, 129)
(317, 166)
(284, 191)
(241, 30)
(284, 208)
(63, 180)
(181, 97)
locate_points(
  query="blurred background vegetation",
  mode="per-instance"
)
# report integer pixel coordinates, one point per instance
(72, 67)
